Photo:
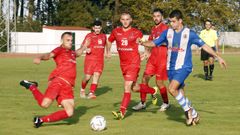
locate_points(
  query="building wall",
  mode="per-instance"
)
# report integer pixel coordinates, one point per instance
(42, 42)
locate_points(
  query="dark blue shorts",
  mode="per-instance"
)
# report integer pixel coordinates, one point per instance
(179, 75)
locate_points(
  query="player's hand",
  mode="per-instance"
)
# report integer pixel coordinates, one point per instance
(108, 55)
(141, 40)
(37, 61)
(222, 63)
(88, 50)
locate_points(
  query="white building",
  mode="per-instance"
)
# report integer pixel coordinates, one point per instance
(45, 41)
(48, 39)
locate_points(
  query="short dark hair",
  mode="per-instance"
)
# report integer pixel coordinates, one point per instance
(176, 13)
(126, 13)
(158, 10)
(208, 20)
(97, 23)
(66, 33)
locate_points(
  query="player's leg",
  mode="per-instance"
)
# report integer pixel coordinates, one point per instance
(163, 91)
(125, 100)
(211, 67)
(93, 87)
(204, 58)
(85, 81)
(67, 112)
(176, 83)
(43, 101)
(195, 115)
(173, 90)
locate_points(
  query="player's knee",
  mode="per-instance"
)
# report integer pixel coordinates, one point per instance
(171, 90)
(70, 112)
(45, 104)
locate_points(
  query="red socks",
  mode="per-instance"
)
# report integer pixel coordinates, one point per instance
(163, 92)
(125, 101)
(93, 88)
(37, 94)
(84, 84)
(146, 89)
(59, 115)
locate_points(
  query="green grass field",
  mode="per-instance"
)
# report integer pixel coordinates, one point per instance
(218, 102)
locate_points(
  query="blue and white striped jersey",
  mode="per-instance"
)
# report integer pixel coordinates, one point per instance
(179, 47)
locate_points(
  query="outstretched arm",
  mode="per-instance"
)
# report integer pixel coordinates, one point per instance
(44, 57)
(212, 52)
(83, 47)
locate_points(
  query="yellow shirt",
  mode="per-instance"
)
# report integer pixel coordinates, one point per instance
(209, 37)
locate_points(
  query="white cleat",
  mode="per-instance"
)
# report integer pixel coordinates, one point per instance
(82, 93)
(189, 119)
(139, 106)
(164, 107)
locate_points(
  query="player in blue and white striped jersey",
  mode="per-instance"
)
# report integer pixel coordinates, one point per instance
(179, 62)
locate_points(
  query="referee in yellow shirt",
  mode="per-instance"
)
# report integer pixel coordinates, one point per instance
(209, 36)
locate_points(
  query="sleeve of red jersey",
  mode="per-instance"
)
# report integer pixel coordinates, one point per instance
(56, 51)
(111, 38)
(140, 35)
(85, 39)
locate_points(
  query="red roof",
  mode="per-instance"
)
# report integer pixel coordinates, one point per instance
(65, 28)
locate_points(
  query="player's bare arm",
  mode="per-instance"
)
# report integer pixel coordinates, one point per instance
(108, 49)
(146, 43)
(44, 57)
(211, 51)
(83, 47)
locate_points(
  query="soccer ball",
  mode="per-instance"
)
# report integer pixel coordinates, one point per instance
(98, 123)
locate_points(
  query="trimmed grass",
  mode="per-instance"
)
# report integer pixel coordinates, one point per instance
(218, 102)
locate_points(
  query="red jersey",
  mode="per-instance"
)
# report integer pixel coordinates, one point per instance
(126, 44)
(65, 60)
(155, 33)
(97, 45)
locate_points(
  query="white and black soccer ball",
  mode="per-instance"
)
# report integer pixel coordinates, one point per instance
(98, 123)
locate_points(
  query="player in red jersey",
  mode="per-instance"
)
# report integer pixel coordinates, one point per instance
(156, 65)
(126, 39)
(60, 82)
(94, 60)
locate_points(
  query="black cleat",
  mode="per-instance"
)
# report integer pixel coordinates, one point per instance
(206, 78)
(37, 122)
(210, 77)
(27, 84)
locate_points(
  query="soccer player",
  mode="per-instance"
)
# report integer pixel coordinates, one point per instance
(156, 65)
(60, 82)
(126, 39)
(179, 62)
(209, 36)
(94, 60)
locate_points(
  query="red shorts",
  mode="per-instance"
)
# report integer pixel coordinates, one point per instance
(91, 66)
(59, 90)
(130, 72)
(157, 66)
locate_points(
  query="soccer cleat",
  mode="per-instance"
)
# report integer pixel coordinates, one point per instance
(139, 106)
(91, 96)
(118, 115)
(37, 122)
(82, 93)
(154, 98)
(164, 107)
(210, 78)
(27, 84)
(196, 120)
(189, 119)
